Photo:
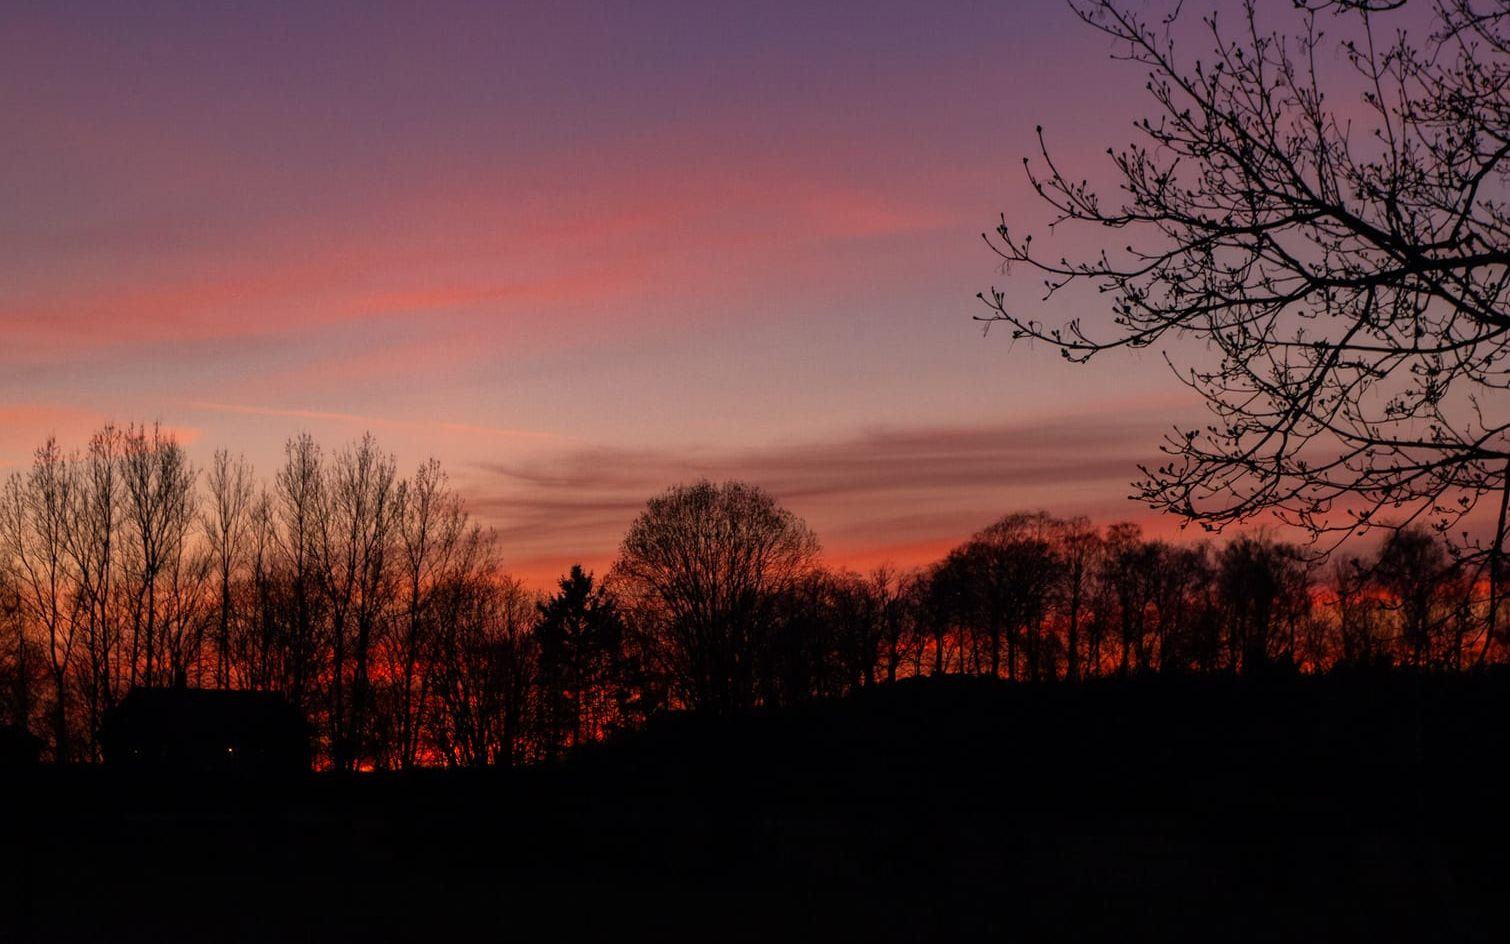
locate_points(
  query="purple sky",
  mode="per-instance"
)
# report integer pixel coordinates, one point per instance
(577, 252)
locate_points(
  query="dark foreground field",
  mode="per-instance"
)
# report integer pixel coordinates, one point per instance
(1290, 809)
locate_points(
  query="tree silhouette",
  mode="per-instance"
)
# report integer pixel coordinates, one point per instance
(379, 608)
(226, 519)
(34, 523)
(1264, 585)
(483, 669)
(1020, 568)
(357, 524)
(433, 540)
(582, 663)
(1414, 572)
(893, 593)
(1338, 244)
(701, 571)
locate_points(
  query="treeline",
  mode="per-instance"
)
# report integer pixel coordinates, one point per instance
(378, 606)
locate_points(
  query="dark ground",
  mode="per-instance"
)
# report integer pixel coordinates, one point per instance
(1364, 808)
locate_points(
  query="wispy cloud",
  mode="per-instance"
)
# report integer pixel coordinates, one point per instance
(374, 422)
(462, 249)
(902, 493)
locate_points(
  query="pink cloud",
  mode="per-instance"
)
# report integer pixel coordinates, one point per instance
(466, 248)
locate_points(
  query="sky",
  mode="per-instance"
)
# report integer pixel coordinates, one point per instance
(576, 251)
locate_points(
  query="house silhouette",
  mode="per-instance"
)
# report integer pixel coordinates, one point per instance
(197, 729)
(18, 746)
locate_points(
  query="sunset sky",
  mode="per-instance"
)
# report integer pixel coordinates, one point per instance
(578, 252)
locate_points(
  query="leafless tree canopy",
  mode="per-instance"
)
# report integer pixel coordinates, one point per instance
(1313, 220)
(701, 569)
(376, 605)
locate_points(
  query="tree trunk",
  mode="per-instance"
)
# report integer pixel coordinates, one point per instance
(1495, 558)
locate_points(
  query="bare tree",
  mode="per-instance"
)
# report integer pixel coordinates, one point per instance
(1415, 575)
(483, 669)
(226, 522)
(1018, 569)
(356, 539)
(299, 488)
(856, 607)
(94, 546)
(700, 571)
(1266, 590)
(1360, 637)
(15, 657)
(159, 510)
(801, 651)
(1181, 598)
(941, 607)
(34, 523)
(432, 535)
(893, 591)
(1346, 266)
(1129, 571)
(187, 609)
(1078, 546)
(255, 651)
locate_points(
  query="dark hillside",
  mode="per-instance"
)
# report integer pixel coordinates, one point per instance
(1359, 808)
